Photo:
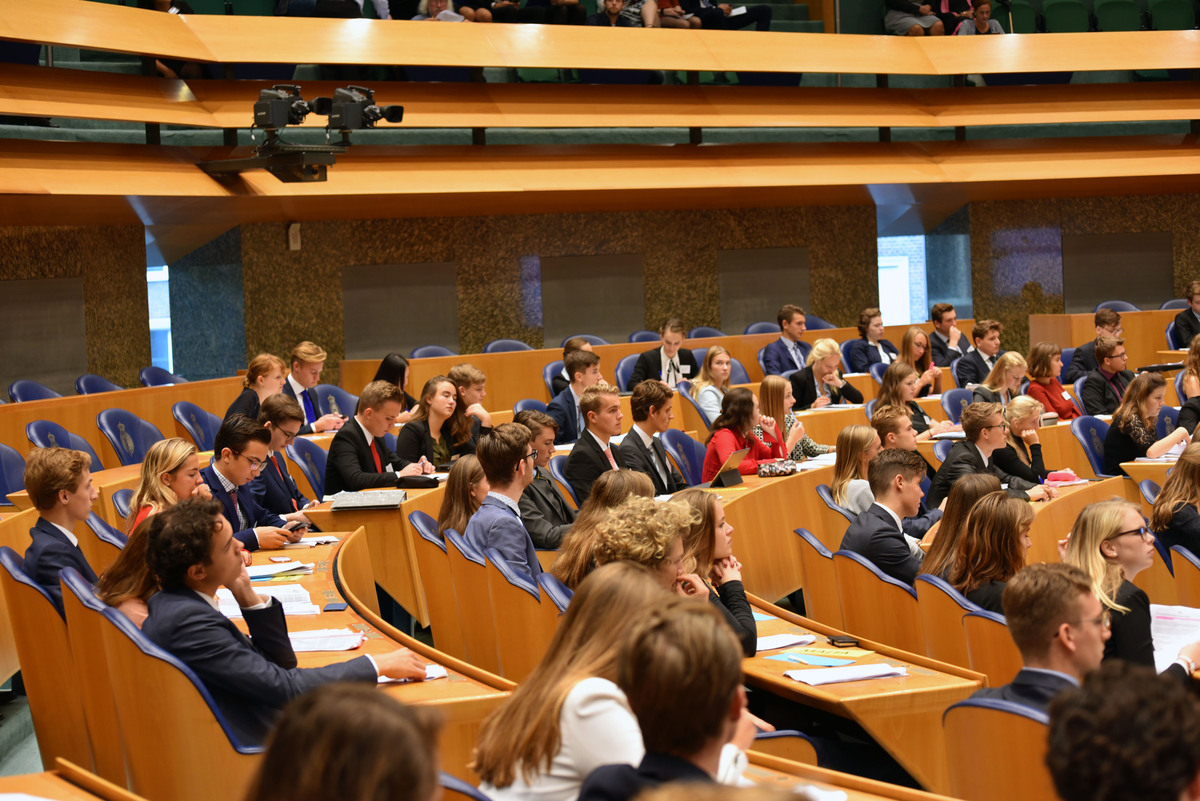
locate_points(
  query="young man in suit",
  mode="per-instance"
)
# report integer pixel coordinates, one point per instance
(584, 368)
(308, 359)
(641, 450)
(984, 426)
(592, 454)
(192, 552)
(895, 429)
(506, 456)
(274, 489)
(878, 533)
(563, 379)
(1105, 386)
(946, 343)
(359, 458)
(544, 511)
(787, 352)
(975, 366)
(1187, 322)
(1059, 627)
(671, 363)
(1108, 324)
(240, 452)
(59, 484)
(681, 671)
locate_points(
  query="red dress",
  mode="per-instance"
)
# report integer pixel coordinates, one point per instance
(725, 441)
(1052, 397)
(142, 514)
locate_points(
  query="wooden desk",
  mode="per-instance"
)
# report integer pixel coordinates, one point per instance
(903, 714)
(67, 783)
(1140, 471)
(1145, 332)
(824, 425)
(775, 773)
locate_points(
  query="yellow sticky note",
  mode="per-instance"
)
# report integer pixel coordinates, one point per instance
(832, 653)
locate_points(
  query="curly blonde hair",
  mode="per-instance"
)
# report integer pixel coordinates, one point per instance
(643, 531)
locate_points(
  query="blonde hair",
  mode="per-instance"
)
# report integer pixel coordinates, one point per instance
(1019, 408)
(997, 379)
(574, 560)
(770, 398)
(1096, 524)
(308, 352)
(823, 349)
(852, 441)
(260, 367)
(164, 456)
(641, 530)
(705, 379)
(699, 541)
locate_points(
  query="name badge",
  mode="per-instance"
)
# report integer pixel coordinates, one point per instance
(1066, 395)
(685, 368)
(387, 468)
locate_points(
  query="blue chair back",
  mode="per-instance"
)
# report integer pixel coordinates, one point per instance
(644, 336)
(764, 327)
(1179, 388)
(826, 495)
(332, 399)
(200, 424)
(310, 458)
(529, 403)
(761, 364)
(389, 439)
(687, 453)
(122, 499)
(1168, 420)
(47, 434)
(25, 390)
(157, 377)
(814, 323)
(869, 408)
(89, 383)
(686, 394)
(953, 594)
(459, 543)
(129, 435)
(426, 528)
(737, 373)
(505, 346)
(1116, 305)
(941, 449)
(845, 349)
(624, 371)
(106, 533)
(1150, 490)
(1078, 387)
(591, 339)
(1172, 338)
(1067, 355)
(12, 562)
(557, 465)
(879, 574)
(549, 372)
(954, 371)
(954, 401)
(558, 593)
(455, 789)
(431, 351)
(1091, 433)
(699, 353)
(877, 370)
(12, 473)
(1000, 705)
(705, 331)
(514, 576)
(1178, 304)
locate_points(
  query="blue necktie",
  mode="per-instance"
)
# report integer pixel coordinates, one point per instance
(308, 407)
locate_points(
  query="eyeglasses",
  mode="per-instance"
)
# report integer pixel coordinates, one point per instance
(1142, 532)
(1121, 355)
(255, 464)
(289, 436)
(998, 425)
(1104, 621)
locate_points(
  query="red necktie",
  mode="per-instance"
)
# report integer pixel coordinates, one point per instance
(275, 462)
(375, 454)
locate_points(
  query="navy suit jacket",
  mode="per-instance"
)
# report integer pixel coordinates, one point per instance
(49, 553)
(255, 514)
(1098, 396)
(972, 369)
(941, 352)
(624, 782)
(586, 463)
(275, 492)
(312, 396)
(777, 358)
(862, 354)
(566, 413)
(1083, 361)
(875, 535)
(636, 456)
(1031, 688)
(495, 525)
(250, 679)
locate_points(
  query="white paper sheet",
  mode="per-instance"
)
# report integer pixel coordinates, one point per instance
(431, 672)
(774, 641)
(309, 542)
(818, 676)
(293, 597)
(279, 568)
(1172, 627)
(325, 640)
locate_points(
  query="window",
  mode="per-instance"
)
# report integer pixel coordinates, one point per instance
(159, 297)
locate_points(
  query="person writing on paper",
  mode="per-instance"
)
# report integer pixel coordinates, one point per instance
(170, 473)
(992, 549)
(594, 454)
(878, 533)
(871, 347)
(359, 458)
(1133, 432)
(1045, 365)
(775, 394)
(239, 454)
(946, 343)
(1021, 455)
(1176, 516)
(1060, 628)
(713, 382)
(821, 383)
(985, 430)
(671, 363)
(914, 351)
(899, 388)
(275, 489)
(192, 553)
(438, 432)
(544, 510)
(308, 359)
(734, 430)
(642, 449)
(506, 455)
(575, 559)
(584, 368)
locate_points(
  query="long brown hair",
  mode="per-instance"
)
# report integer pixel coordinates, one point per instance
(457, 503)
(460, 426)
(991, 548)
(770, 399)
(1139, 389)
(699, 541)
(129, 576)
(889, 388)
(574, 560)
(737, 413)
(906, 349)
(1182, 488)
(965, 493)
(523, 734)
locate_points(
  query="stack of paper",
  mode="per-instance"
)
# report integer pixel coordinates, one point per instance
(774, 641)
(309, 542)
(294, 599)
(835, 675)
(279, 569)
(1171, 628)
(325, 640)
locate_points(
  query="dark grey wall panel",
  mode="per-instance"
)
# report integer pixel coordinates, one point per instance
(48, 335)
(397, 307)
(599, 295)
(755, 283)
(1137, 267)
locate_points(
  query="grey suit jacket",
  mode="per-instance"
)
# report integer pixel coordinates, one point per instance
(545, 512)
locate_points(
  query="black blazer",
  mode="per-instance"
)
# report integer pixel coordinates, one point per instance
(49, 553)
(988, 596)
(636, 456)
(255, 514)
(275, 490)
(586, 463)
(1032, 688)
(730, 601)
(649, 365)
(545, 512)
(1083, 361)
(1098, 396)
(312, 396)
(1189, 414)
(415, 441)
(1186, 327)
(247, 403)
(1183, 529)
(941, 352)
(982, 394)
(963, 460)
(1009, 460)
(875, 535)
(625, 782)
(351, 467)
(804, 390)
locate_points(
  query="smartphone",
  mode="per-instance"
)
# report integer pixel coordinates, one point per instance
(842, 641)
(295, 524)
(336, 606)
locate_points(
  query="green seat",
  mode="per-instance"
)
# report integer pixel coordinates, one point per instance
(1024, 18)
(1172, 15)
(1065, 16)
(1118, 15)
